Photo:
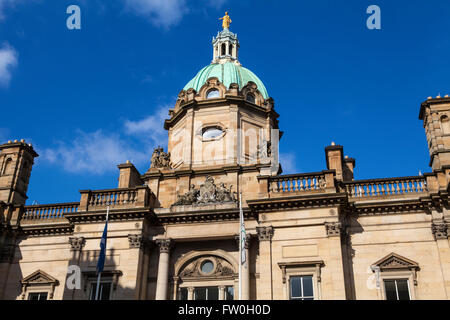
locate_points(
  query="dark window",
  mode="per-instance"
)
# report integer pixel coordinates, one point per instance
(206, 293)
(396, 289)
(38, 296)
(301, 288)
(183, 294)
(224, 49)
(229, 293)
(230, 49)
(250, 98)
(104, 291)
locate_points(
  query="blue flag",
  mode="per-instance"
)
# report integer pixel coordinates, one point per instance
(102, 256)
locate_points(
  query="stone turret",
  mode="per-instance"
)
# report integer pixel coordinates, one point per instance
(16, 161)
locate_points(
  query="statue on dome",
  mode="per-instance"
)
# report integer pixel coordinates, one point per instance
(226, 21)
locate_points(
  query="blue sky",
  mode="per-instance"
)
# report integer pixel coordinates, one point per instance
(90, 99)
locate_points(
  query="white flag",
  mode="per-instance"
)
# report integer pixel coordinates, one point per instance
(242, 231)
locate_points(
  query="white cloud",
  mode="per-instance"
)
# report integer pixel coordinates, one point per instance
(151, 126)
(94, 152)
(8, 60)
(288, 164)
(162, 13)
(98, 152)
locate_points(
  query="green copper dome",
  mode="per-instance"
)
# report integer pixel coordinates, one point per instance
(227, 73)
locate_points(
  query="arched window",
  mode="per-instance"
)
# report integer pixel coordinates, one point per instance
(214, 93)
(224, 49)
(230, 49)
(250, 98)
(445, 123)
(7, 166)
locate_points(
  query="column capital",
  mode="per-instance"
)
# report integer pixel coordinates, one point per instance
(138, 241)
(439, 229)
(333, 229)
(265, 233)
(164, 245)
(77, 243)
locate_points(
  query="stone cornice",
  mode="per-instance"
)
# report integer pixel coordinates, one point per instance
(203, 216)
(229, 99)
(118, 214)
(298, 201)
(174, 173)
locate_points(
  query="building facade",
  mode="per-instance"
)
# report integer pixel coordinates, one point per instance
(173, 230)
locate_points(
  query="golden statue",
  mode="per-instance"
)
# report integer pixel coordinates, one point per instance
(226, 21)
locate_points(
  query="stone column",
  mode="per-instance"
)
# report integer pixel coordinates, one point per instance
(337, 289)
(76, 247)
(265, 287)
(162, 282)
(221, 292)
(190, 293)
(440, 232)
(142, 246)
(245, 270)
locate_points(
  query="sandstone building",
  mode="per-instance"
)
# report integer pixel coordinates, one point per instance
(172, 230)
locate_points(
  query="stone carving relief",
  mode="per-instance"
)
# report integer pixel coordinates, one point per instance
(440, 230)
(207, 193)
(76, 243)
(161, 159)
(193, 269)
(264, 150)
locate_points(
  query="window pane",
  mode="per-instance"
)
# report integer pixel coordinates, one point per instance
(296, 289)
(200, 293)
(37, 296)
(229, 293)
(213, 94)
(207, 266)
(183, 294)
(402, 288)
(213, 293)
(104, 291)
(389, 286)
(212, 133)
(307, 286)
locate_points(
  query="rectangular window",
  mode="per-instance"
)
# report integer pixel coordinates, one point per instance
(37, 296)
(206, 293)
(183, 294)
(104, 291)
(301, 288)
(229, 293)
(396, 289)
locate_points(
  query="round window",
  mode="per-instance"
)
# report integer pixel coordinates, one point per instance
(207, 266)
(212, 133)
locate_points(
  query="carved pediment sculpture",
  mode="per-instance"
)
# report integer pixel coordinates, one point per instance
(207, 193)
(395, 261)
(39, 278)
(220, 268)
(160, 159)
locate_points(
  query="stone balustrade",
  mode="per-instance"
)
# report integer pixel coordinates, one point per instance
(315, 181)
(112, 198)
(49, 211)
(140, 196)
(386, 187)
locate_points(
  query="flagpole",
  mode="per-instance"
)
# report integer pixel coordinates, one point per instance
(240, 246)
(100, 273)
